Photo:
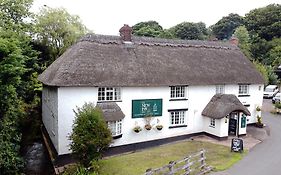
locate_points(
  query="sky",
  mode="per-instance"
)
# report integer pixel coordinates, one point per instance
(108, 16)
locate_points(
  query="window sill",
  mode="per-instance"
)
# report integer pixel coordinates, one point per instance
(244, 95)
(109, 101)
(178, 99)
(117, 136)
(177, 126)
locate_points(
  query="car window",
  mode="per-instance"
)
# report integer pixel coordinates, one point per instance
(269, 90)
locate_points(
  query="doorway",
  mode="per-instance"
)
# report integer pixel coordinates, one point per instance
(233, 120)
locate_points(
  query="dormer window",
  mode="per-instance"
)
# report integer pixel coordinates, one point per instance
(109, 94)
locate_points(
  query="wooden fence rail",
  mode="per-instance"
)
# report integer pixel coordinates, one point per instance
(193, 164)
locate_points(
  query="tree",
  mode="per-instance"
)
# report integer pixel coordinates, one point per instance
(190, 31)
(265, 22)
(56, 30)
(263, 70)
(13, 14)
(275, 55)
(166, 34)
(244, 40)
(272, 77)
(12, 68)
(225, 27)
(90, 135)
(148, 29)
(259, 49)
(17, 79)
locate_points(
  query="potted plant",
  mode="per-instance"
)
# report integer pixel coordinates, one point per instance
(259, 123)
(148, 125)
(159, 127)
(137, 129)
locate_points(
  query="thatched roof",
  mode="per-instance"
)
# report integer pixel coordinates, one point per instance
(99, 60)
(111, 111)
(223, 104)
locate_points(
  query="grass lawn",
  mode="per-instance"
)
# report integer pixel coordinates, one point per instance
(218, 156)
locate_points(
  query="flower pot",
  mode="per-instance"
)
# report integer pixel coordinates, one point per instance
(160, 128)
(137, 129)
(259, 125)
(148, 127)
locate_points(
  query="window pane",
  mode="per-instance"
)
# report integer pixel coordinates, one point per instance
(115, 127)
(177, 117)
(177, 91)
(244, 89)
(101, 94)
(219, 89)
(117, 94)
(172, 118)
(109, 94)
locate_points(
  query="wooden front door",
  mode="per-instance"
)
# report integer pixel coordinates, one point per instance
(233, 120)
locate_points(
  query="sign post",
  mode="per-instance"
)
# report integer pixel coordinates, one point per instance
(237, 145)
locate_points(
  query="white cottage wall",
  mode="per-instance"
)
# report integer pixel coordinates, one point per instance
(224, 123)
(69, 99)
(198, 97)
(138, 93)
(50, 112)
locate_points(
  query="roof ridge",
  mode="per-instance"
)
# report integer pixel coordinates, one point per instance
(151, 41)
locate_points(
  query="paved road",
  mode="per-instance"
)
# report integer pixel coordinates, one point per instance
(265, 158)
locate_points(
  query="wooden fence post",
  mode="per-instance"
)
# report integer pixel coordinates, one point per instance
(195, 162)
(171, 167)
(202, 159)
(187, 167)
(149, 172)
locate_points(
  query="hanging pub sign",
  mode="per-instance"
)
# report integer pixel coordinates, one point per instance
(146, 108)
(237, 145)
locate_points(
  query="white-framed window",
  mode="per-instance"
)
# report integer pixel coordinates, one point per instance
(220, 89)
(243, 89)
(178, 92)
(177, 118)
(212, 122)
(115, 127)
(109, 94)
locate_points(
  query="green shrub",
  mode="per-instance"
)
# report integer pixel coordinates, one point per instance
(90, 134)
(277, 105)
(10, 160)
(76, 170)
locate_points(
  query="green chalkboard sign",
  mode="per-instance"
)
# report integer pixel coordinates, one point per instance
(147, 107)
(243, 121)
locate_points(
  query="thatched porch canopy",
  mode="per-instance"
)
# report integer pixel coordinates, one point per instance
(223, 104)
(111, 111)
